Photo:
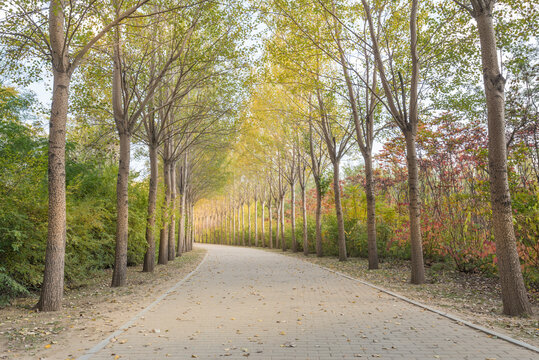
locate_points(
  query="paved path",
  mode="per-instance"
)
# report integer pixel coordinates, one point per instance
(251, 303)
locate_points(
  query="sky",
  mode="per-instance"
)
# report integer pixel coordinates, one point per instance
(43, 92)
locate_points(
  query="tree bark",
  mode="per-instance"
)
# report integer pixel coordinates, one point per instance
(256, 221)
(149, 256)
(119, 275)
(163, 235)
(249, 223)
(418, 270)
(338, 210)
(221, 229)
(304, 216)
(318, 215)
(263, 225)
(172, 224)
(191, 217)
(207, 230)
(122, 125)
(181, 225)
(283, 241)
(293, 217)
(514, 295)
(53, 276)
(270, 244)
(183, 203)
(234, 227)
(238, 217)
(242, 225)
(277, 224)
(371, 213)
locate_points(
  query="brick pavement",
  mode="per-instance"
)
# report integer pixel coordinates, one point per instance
(250, 303)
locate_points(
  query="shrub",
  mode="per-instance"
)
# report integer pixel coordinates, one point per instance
(9, 289)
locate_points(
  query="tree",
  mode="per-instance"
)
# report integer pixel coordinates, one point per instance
(514, 295)
(406, 118)
(318, 166)
(364, 121)
(132, 92)
(68, 26)
(337, 137)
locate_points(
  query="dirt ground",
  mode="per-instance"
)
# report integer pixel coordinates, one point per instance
(471, 297)
(90, 313)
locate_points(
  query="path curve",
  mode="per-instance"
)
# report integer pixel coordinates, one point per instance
(245, 302)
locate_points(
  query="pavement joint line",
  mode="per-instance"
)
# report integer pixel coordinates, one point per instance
(100, 346)
(426, 307)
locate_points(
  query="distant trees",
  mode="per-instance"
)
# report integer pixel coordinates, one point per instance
(337, 70)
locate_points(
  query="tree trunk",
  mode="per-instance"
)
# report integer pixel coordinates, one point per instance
(270, 244)
(242, 225)
(238, 218)
(221, 230)
(188, 239)
(293, 217)
(181, 227)
(163, 238)
(53, 276)
(234, 227)
(119, 275)
(191, 212)
(418, 270)
(191, 218)
(183, 211)
(304, 217)
(283, 241)
(207, 240)
(256, 222)
(231, 225)
(218, 239)
(149, 256)
(514, 295)
(172, 224)
(338, 210)
(371, 213)
(263, 225)
(227, 227)
(249, 222)
(277, 224)
(318, 215)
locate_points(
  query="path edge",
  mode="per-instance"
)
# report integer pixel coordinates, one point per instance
(431, 309)
(101, 345)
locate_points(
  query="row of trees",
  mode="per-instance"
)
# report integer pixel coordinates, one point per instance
(157, 72)
(338, 78)
(341, 76)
